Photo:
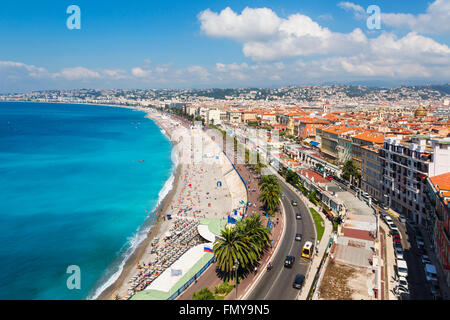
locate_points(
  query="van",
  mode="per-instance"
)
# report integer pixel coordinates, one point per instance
(430, 272)
(307, 250)
(402, 268)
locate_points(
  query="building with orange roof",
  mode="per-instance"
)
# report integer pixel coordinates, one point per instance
(366, 138)
(437, 203)
(329, 139)
(306, 127)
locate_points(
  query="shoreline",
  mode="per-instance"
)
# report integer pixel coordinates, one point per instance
(156, 230)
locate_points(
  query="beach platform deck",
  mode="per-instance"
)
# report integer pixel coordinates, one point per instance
(166, 284)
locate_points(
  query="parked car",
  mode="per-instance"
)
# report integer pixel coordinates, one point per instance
(353, 188)
(388, 219)
(403, 282)
(384, 207)
(421, 252)
(298, 237)
(397, 238)
(399, 253)
(298, 281)
(395, 232)
(329, 178)
(398, 245)
(289, 261)
(402, 268)
(392, 226)
(402, 219)
(435, 290)
(425, 259)
(420, 244)
(430, 272)
(298, 216)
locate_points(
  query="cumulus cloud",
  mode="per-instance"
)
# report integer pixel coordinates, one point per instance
(77, 73)
(297, 35)
(436, 20)
(251, 24)
(138, 72)
(18, 69)
(265, 36)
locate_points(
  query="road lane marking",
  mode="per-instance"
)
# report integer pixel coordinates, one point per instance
(281, 271)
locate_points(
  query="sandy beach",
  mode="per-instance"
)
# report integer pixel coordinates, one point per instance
(202, 188)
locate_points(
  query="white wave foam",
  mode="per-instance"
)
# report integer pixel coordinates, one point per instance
(142, 232)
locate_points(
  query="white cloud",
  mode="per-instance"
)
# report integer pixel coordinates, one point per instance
(114, 74)
(199, 71)
(274, 38)
(346, 54)
(18, 70)
(250, 24)
(138, 72)
(77, 73)
(358, 11)
(436, 20)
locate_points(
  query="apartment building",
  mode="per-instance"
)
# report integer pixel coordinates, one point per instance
(437, 204)
(329, 138)
(366, 138)
(213, 117)
(306, 127)
(344, 147)
(406, 163)
(371, 172)
(234, 116)
(248, 116)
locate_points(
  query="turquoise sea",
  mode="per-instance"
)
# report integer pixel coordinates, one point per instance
(73, 192)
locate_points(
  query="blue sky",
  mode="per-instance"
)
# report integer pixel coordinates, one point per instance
(184, 44)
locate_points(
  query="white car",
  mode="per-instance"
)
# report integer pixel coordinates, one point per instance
(426, 259)
(388, 219)
(399, 254)
(392, 226)
(402, 268)
(402, 282)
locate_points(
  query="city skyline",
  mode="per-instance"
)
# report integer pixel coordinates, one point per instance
(215, 44)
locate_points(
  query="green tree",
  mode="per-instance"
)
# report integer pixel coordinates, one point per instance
(231, 246)
(245, 242)
(203, 294)
(292, 177)
(350, 169)
(270, 193)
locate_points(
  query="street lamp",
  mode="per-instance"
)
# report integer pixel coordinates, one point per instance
(235, 269)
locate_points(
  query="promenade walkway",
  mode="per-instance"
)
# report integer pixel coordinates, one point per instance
(209, 278)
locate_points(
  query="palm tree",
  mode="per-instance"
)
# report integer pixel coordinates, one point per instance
(231, 246)
(258, 233)
(245, 242)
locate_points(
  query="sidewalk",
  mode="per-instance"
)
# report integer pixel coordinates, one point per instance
(388, 262)
(209, 277)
